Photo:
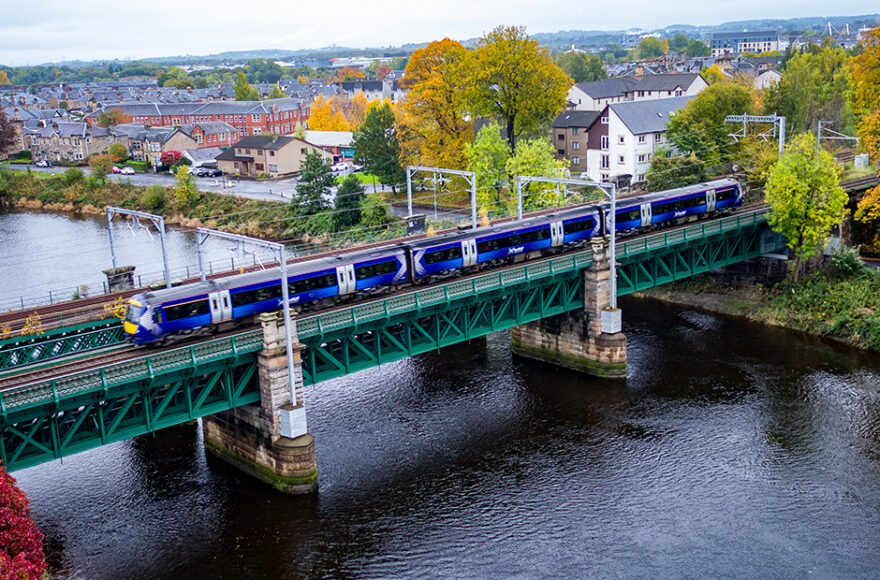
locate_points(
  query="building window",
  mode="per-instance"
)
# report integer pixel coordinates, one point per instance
(621, 139)
(273, 168)
(620, 160)
(560, 137)
(271, 154)
(258, 166)
(604, 120)
(641, 177)
(561, 151)
(574, 130)
(642, 139)
(642, 158)
(603, 162)
(604, 142)
(657, 137)
(575, 160)
(255, 118)
(678, 93)
(576, 145)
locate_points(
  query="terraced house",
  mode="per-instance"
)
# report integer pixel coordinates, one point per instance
(69, 142)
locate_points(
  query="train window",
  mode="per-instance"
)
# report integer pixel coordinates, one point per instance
(258, 295)
(373, 270)
(443, 255)
(515, 240)
(313, 283)
(628, 216)
(578, 226)
(680, 204)
(187, 310)
(133, 314)
(724, 194)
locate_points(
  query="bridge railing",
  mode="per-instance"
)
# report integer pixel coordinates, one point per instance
(131, 370)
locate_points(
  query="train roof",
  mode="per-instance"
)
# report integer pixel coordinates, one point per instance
(676, 192)
(293, 269)
(537, 220)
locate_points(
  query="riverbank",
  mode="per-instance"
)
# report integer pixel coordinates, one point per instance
(844, 306)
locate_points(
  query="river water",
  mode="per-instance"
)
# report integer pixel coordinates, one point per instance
(731, 450)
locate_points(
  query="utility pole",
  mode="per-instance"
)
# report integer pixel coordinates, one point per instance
(778, 123)
(835, 136)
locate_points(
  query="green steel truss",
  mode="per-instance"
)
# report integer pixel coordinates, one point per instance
(49, 419)
(52, 346)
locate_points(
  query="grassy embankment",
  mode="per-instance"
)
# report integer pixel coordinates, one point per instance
(843, 303)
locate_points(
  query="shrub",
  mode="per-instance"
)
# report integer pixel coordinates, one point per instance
(72, 176)
(847, 261)
(154, 198)
(137, 165)
(21, 542)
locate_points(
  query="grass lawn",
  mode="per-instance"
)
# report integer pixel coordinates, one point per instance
(363, 178)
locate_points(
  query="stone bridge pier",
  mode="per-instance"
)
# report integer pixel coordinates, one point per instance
(251, 438)
(587, 340)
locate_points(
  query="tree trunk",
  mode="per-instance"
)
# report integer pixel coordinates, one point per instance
(511, 138)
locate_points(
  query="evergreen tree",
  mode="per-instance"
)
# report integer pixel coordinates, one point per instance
(347, 205)
(376, 147)
(314, 184)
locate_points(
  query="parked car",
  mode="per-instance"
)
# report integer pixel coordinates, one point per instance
(116, 169)
(43, 163)
(341, 166)
(211, 172)
(127, 171)
(356, 167)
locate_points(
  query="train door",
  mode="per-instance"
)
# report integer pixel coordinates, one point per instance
(468, 252)
(557, 234)
(710, 200)
(645, 212)
(345, 279)
(221, 306)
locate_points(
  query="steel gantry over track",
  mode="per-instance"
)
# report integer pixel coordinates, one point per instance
(53, 418)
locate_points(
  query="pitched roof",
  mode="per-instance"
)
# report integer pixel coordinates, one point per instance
(263, 142)
(575, 119)
(607, 88)
(648, 116)
(329, 138)
(666, 82)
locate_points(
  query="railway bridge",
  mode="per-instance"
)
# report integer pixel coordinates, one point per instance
(81, 387)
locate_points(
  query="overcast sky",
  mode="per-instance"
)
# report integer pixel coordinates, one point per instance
(55, 30)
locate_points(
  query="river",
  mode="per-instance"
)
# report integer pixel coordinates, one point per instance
(731, 450)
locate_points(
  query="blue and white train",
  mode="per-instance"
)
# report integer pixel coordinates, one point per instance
(206, 307)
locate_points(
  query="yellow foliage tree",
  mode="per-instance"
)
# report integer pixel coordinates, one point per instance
(866, 105)
(433, 125)
(324, 117)
(4, 78)
(356, 111)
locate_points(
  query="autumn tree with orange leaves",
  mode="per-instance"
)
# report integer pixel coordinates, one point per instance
(433, 126)
(338, 113)
(866, 105)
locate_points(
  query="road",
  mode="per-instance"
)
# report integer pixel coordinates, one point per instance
(274, 190)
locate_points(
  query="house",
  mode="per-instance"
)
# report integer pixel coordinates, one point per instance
(69, 142)
(203, 157)
(595, 96)
(336, 143)
(570, 135)
(265, 155)
(212, 133)
(767, 78)
(157, 140)
(625, 136)
(756, 41)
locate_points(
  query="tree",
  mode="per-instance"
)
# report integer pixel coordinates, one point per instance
(263, 70)
(679, 42)
(373, 212)
(699, 128)
(812, 88)
(326, 116)
(713, 74)
(170, 157)
(536, 157)
(433, 124)
(866, 106)
(117, 152)
(4, 78)
(276, 93)
(243, 89)
(350, 197)
(72, 176)
(314, 184)
(675, 171)
(382, 72)
(698, 48)
(186, 191)
(805, 198)
(512, 77)
(350, 73)
(21, 542)
(112, 117)
(376, 147)
(581, 67)
(651, 47)
(7, 133)
(100, 165)
(487, 157)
